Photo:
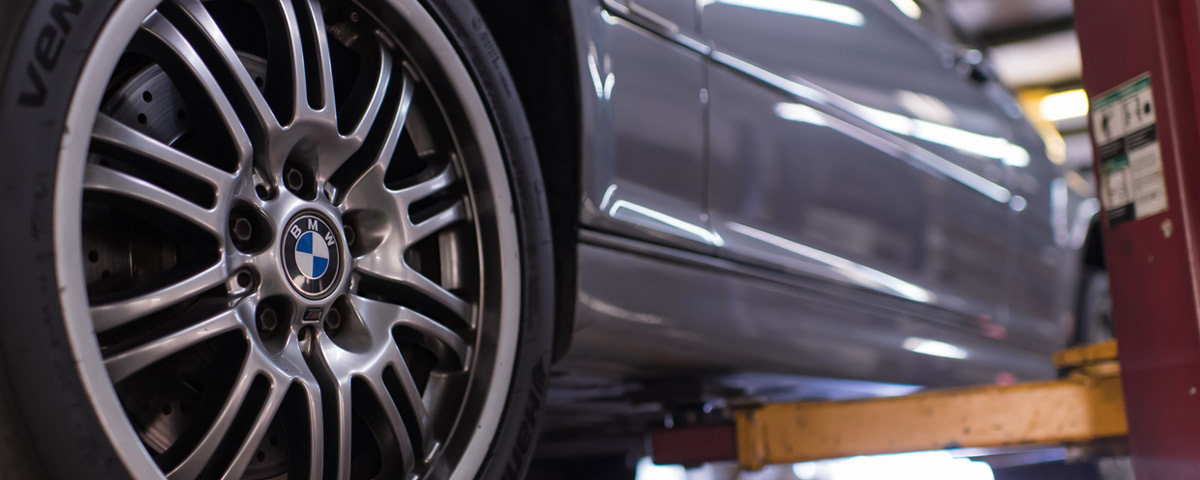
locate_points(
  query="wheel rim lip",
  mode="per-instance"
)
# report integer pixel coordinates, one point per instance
(508, 303)
(99, 66)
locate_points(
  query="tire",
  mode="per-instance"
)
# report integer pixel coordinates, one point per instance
(1095, 322)
(607, 467)
(72, 402)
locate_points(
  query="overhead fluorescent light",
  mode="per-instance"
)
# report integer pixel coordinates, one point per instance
(1063, 105)
(1046, 60)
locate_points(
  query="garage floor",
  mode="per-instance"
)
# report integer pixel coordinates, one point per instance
(956, 469)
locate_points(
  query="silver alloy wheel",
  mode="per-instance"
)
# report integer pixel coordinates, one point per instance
(220, 361)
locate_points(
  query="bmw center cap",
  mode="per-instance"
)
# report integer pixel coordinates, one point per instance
(312, 255)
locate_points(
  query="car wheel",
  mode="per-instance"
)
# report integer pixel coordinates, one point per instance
(1095, 323)
(267, 239)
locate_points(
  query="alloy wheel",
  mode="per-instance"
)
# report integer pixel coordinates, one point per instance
(285, 226)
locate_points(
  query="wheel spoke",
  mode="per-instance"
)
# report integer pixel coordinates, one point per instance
(336, 368)
(343, 423)
(371, 194)
(368, 186)
(385, 316)
(119, 135)
(358, 133)
(408, 398)
(231, 72)
(131, 361)
(448, 216)
(99, 178)
(396, 271)
(284, 24)
(187, 57)
(386, 262)
(395, 421)
(114, 314)
(316, 426)
(320, 63)
(258, 429)
(387, 150)
(201, 455)
(440, 182)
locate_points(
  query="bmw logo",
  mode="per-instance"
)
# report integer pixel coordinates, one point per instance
(311, 255)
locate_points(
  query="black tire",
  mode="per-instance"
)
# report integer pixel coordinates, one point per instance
(1094, 320)
(513, 447)
(606, 467)
(48, 428)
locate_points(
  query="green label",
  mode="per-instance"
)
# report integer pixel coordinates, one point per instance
(1119, 162)
(1127, 90)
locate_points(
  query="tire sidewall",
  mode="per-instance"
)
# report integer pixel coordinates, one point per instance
(34, 353)
(516, 436)
(39, 80)
(1094, 299)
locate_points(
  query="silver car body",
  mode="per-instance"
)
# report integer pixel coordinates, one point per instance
(808, 188)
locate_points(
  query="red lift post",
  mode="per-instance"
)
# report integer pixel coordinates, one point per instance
(1154, 260)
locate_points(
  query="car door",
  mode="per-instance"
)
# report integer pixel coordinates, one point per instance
(844, 144)
(643, 133)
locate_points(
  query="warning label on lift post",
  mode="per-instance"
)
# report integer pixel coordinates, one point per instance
(1126, 138)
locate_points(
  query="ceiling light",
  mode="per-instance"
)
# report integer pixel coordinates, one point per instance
(1064, 105)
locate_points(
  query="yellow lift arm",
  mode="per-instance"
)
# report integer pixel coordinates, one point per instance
(1086, 405)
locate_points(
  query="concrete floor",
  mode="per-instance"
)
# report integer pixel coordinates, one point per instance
(1105, 469)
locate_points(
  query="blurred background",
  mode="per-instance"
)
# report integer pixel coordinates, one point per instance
(1032, 46)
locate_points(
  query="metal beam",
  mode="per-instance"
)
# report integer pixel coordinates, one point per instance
(1085, 406)
(1028, 31)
